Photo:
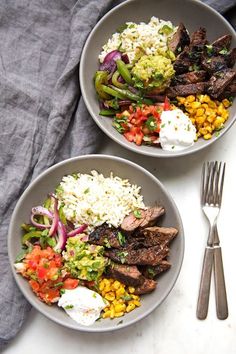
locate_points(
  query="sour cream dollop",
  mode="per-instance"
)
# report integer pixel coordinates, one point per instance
(82, 305)
(177, 131)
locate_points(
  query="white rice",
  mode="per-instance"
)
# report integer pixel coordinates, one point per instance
(139, 39)
(94, 199)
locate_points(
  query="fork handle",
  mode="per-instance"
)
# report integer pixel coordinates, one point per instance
(220, 289)
(204, 290)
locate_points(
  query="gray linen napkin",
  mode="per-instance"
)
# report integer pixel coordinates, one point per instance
(42, 115)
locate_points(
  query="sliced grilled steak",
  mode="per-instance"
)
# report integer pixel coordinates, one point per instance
(189, 78)
(179, 40)
(155, 235)
(144, 218)
(219, 81)
(129, 275)
(107, 236)
(147, 286)
(182, 62)
(198, 38)
(229, 91)
(214, 64)
(221, 43)
(185, 90)
(231, 58)
(152, 271)
(141, 256)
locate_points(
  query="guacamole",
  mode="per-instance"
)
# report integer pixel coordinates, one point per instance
(153, 71)
(84, 261)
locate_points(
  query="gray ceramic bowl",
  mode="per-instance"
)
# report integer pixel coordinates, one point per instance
(153, 191)
(192, 13)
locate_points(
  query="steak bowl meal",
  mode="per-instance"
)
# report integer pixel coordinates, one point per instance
(89, 243)
(159, 83)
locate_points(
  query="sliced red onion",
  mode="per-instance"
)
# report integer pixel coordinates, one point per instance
(125, 58)
(113, 55)
(55, 220)
(39, 210)
(77, 231)
(109, 62)
(61, 237)
(125, 102)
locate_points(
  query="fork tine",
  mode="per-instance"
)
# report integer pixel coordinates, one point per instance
(203, 184)
(221, 185)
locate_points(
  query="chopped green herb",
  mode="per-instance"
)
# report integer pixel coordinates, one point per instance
(120, 322)
(86, 191)
(122, 256)
(68, 307)
(60, 283)
(223, 51)
(137, 214)
(126, 297)
(94, 295)
(106, 243)
(151, 272)
(121, 238)
(62, 291)
(209, 49)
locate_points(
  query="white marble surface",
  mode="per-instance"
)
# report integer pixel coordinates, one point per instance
(172, 328)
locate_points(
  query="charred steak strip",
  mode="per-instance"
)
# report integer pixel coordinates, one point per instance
(189, 78)
(147, 286)
(152, 271)
(128, 275)
(155, 235)
(221, 43)
(179, 40)
(142, 256)
(219, 81)
(186, 90)
(106, 236)
(142, 218)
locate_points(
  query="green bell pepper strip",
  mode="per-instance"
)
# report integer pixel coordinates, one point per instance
(114, 91)
(130, 95)
(30, 235)
(124, 71)
(107, 112)
(115, 81)
(100, 79)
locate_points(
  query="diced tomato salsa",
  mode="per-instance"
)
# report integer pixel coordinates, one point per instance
(43, 268)
(141, 124)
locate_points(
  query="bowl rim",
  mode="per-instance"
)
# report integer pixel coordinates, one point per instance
(27, 191)
(116, 138)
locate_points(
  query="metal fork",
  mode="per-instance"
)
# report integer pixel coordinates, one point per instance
(211, 197)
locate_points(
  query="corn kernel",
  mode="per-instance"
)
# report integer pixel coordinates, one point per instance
(110, 296)
(116, 285)
(200, 112)
(130, 307)
(226, 103)
(119, 314)
(206, 98)
(131, 289)
(195, 104)
(120, 307)
(120, 292)
(200, 120)
(190, 98)
(207, 136)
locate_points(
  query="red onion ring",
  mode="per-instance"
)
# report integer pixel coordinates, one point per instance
(55, 221)
(77, 231)
(61, 237)
(39, 210)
